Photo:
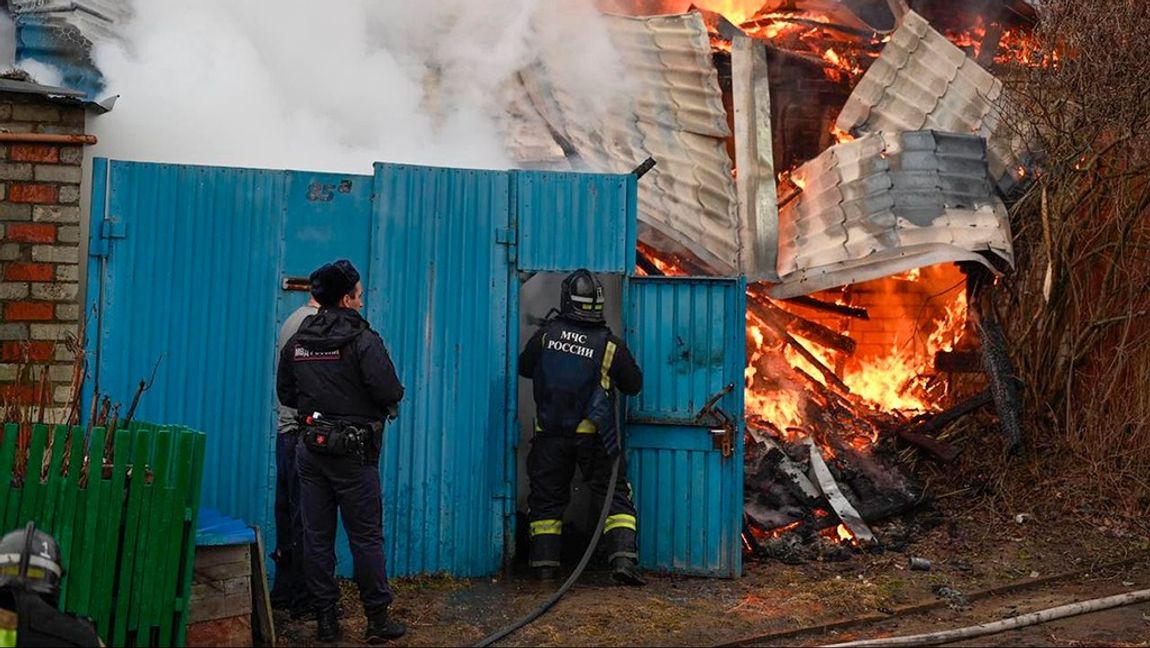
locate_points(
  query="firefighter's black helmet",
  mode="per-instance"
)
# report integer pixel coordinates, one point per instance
(582, 297)
(30, 561)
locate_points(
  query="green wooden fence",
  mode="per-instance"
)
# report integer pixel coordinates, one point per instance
(127, 538)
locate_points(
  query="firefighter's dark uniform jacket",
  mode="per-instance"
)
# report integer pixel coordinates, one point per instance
(337, 366)
(40, 624)
(571, 363)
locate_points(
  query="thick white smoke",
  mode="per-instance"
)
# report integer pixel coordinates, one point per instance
(7, 41)
(335, 86)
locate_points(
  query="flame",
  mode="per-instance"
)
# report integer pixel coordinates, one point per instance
(841, 136)
(840, 534)
(669, 265)
(1015, 47)
(736, 11)
(894, 379)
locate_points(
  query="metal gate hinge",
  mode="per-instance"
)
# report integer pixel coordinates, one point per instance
(109, 229)
(113, 229)
(506, 236)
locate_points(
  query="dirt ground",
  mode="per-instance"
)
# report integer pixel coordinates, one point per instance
(969, 552)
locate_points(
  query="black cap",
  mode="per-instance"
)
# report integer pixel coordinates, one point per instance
(333, 281)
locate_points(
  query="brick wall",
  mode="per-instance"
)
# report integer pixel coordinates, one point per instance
(40, 249)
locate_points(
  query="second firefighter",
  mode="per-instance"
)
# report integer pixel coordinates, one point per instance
(576, 364)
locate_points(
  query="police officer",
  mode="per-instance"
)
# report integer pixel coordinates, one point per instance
(30, 575)
(336, 372)
(290, 589)
(575, 364)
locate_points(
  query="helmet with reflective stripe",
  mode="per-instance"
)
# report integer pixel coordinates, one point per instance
(30, 561)
(582, 297)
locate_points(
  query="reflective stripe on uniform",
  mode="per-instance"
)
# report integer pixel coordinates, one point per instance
(585, 427)
(546, 527)
(608, 358)
(7, 638)
(619, 521)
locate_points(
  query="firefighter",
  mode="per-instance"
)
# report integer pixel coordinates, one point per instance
(30, 576)
(575, 364)
(336, 372)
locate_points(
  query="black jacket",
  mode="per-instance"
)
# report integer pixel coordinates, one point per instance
(625, 372)
(41, 624)
(337, 365)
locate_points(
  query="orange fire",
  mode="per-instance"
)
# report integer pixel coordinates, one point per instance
(841, 534)
(914, 316)
(736, 11)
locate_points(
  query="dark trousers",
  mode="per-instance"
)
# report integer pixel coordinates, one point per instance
(290, 589)
(550, 467)
(350, 485)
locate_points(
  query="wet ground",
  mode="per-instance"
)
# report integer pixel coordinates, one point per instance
(969, 555)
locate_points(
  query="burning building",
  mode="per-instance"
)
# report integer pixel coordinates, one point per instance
(851, 158)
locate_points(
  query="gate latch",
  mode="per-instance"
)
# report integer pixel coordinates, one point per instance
(722, 425)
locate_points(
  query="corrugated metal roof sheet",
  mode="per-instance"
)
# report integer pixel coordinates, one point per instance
(688, 200)
(881, 205)
(923, 81)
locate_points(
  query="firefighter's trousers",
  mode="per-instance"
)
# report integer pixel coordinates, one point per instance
(550, 467)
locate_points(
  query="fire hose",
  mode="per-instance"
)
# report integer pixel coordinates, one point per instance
(549, 603)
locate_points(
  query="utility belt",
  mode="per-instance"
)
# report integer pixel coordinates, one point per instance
(586, 426)
(339, 438)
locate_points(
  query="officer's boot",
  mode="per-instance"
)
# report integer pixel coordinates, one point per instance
(624, 571)
(327, 625)
(381, 628)
(545, 573)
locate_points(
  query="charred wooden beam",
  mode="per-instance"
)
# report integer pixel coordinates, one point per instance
(761, 305)
(647, 264)
(829, 398)
(806, 301)
(1005, 387)
(940, 450)
(830, 376)
(958, 362)
(944, 418)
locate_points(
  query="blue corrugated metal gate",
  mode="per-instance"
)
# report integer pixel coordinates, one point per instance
(689, 337)
(188, 266)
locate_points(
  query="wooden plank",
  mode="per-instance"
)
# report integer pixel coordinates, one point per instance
(138, 492)
(181, 475)
(112, 510)
(197, 475)
(225, 571)
(152, 559)
(47, 517)
(33, 488)
(221, 606)
(67, 508)
(7, 461)
(161, 561)
(87, 521)
(211, 556)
